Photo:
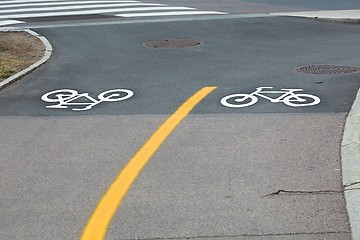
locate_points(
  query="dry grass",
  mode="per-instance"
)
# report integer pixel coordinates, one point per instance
(18, 50)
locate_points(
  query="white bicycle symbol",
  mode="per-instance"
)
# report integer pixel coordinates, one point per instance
(69, 97)
(289, 97)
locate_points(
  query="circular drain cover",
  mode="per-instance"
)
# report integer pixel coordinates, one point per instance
(327, 69)
(173, 43)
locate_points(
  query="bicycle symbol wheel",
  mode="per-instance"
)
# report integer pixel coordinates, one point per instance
(115, 95)
(238, 100)
(301, 100)
(59, 95)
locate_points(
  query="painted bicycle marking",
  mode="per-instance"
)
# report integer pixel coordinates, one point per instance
(68, 97)
(288, 97)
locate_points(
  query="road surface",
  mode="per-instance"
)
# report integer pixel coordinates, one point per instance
(266, 171)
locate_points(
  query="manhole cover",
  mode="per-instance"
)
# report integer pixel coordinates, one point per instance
(173, 43)
(327, 69)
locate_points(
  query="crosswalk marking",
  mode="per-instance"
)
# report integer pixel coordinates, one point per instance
(15, 11)
(91, 12)
(80, 7)
(40, 1)
(62, 3)
(26, 1)
(175, 13)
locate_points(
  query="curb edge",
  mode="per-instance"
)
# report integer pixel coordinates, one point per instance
(44, 59)
(350, 158)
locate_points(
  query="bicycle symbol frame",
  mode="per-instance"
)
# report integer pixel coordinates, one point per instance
(288, 97)
(67, 97)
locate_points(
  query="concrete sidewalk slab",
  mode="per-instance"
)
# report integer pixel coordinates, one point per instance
(352, 15)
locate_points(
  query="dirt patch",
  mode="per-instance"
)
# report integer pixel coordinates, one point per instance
(18, 50)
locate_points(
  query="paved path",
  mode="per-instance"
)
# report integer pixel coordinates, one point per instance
(266, 171)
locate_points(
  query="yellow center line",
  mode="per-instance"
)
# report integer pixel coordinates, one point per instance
(100, 219)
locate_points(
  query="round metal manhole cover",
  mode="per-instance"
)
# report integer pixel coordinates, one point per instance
(173, 43)
(327, 69)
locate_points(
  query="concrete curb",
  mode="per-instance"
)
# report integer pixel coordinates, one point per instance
(351, 16)
(45, 58)
(350, 156)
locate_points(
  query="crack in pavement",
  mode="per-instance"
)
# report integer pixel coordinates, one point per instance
(288, 192)
(351, 189)
(352, 184)
(318, 192)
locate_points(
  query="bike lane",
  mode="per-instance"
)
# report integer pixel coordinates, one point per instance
(268, 170)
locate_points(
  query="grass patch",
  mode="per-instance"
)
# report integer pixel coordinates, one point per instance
(6, 74)
(8, 66)
(18, 50)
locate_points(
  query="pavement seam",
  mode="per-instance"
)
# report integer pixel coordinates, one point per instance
(350, 157)
(45, 58)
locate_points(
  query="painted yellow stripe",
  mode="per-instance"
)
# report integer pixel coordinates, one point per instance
(98, 223)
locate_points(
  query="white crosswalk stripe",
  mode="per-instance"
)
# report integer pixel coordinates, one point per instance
(98, 6)
(91, 12)
(18, 11)
(62, 3)
(175, 13)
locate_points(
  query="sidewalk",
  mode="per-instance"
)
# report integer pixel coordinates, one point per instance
(350, 147)
(335, 15)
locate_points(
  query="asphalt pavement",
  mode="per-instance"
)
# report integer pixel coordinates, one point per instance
(267, 171)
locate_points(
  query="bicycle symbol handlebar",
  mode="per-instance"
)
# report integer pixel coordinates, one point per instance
(69, 97)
